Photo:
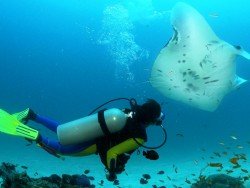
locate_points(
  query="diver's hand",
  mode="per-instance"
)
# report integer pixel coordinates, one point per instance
(111, 176)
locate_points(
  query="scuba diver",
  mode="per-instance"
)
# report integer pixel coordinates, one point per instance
(113, 134)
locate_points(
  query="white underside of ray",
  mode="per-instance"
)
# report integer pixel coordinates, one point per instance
(195, 67)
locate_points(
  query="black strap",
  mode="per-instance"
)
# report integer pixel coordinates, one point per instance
(102, 122)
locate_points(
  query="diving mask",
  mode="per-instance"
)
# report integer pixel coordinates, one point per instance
(160, 119)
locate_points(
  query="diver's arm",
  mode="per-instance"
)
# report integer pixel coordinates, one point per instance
(124, 147)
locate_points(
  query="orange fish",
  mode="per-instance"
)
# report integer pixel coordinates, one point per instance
(234, 160)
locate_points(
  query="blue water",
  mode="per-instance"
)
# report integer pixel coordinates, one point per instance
(64, 58)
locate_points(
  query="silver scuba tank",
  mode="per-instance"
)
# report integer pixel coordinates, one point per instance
(91, 127)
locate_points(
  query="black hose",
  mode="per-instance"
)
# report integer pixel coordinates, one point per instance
(112, 100)
(164, 141)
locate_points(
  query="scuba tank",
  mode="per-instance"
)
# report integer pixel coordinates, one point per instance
(91, 127)
(100, 124)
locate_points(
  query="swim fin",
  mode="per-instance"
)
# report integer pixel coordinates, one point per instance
(22, 116)
(10, 124)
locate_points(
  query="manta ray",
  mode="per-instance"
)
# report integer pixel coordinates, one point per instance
(195, 66)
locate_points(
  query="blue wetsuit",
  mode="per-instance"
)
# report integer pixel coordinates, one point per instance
(55, 145)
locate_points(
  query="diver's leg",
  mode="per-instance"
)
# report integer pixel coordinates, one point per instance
(49, 123)
(28, 114)
(54, 146)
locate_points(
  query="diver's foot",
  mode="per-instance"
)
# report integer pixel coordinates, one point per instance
(25, 115)
(31, 115)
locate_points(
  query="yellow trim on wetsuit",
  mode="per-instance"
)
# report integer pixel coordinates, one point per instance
(121, 148)
(88, 151)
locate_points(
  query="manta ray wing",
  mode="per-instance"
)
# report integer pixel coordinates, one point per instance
(195, 67)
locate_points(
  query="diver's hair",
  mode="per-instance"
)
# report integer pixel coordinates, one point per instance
(149, 111)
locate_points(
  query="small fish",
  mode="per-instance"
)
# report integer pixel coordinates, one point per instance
(214, 15)
(161, 172)
(116, 182)
(86, 171)
(146, 176)
(246, 178)
(180, 135)
(91, 178)
(214, 80)
(101, 183)
(176, 170)
(224, 153)
(215, 165)
(162, 181)
(244, 170)
(151, 154)
(193, 174)
(229, 171)
(234, 137)
(169, 178)
(203, 149)
(236, 166)
(214, 41)
(159, 70)
(24, 167)
(217, 154)
(205, 78)
(201, 64)
(195, 162)
(188, 181)
(222, 143)
(143, 181)
(242, 156)
(234, 160)
(240, 147)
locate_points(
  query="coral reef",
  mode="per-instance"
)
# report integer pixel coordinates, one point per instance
(13, 179)
(218, 181)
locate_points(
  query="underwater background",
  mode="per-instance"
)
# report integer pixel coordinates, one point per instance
(64, 58)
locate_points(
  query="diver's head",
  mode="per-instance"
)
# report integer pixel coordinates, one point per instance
(149, 112)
